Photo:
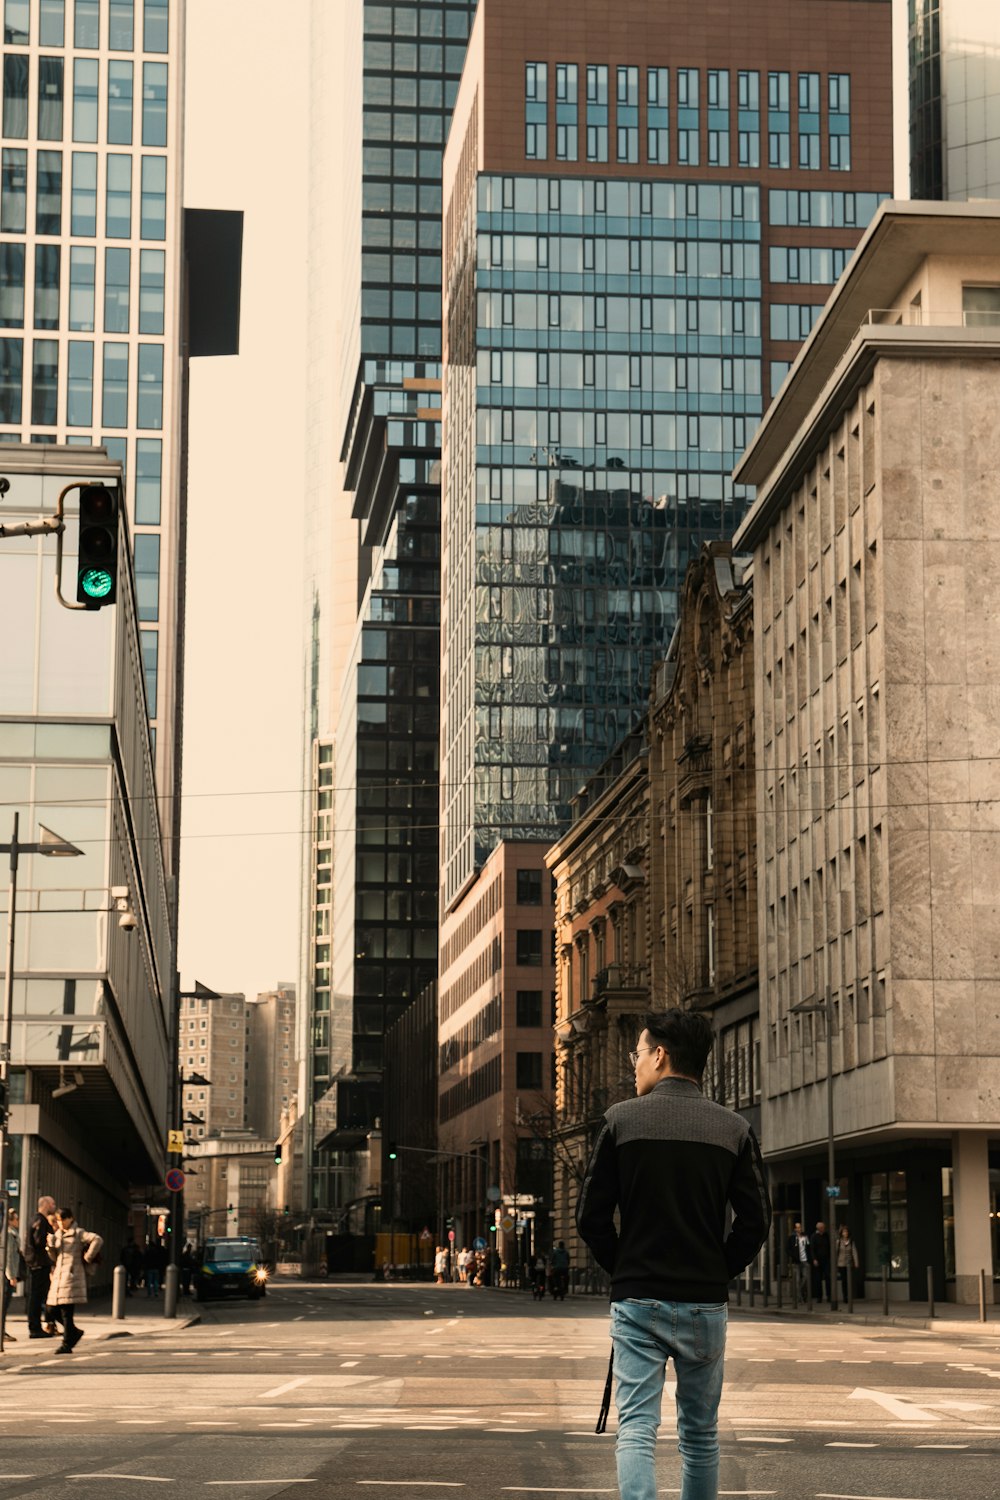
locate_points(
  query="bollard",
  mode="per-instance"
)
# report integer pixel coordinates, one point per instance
(170, 1285)
(982, 1296)
(930, 1291)
(118, 1292)
(885, 1291)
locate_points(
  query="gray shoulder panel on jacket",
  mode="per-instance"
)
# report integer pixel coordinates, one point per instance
(677, 1117)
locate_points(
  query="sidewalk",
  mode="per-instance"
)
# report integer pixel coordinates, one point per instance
(949, 1317)
(143, 1318)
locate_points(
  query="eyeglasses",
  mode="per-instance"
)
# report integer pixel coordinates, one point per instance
(633, 1057)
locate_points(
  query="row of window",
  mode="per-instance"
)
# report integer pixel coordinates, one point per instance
(621, 433)
(118, 217)
(613, 256)
(79, 390)
(713, 316)
(823, 210)
(85, 100)
(653, 125)
(117, 298)
(522, 372)
(120, 22)
(430, 17)
(589, 196)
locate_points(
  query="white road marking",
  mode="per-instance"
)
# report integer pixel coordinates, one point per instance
(138, 1478)
(429, 1484)
(942, 1445)
(260, 1481)
(762, 1439)
(348, 1364)
(895, 1405)
(525, 1489)
(279, 1390)
(852, 1445)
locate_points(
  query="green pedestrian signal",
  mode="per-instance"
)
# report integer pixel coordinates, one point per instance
(97, 564)
(392, 1151)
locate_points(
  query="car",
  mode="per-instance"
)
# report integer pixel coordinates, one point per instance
(231, 1267)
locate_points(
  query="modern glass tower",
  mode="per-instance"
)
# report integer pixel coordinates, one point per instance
(371, 940)
(643, 216)
(90, 276)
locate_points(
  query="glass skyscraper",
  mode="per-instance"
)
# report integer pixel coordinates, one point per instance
(90, 267)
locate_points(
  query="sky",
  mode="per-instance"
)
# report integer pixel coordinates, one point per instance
(240, 838)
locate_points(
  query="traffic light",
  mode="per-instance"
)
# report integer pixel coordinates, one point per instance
(97, 565)
(277, 1153)
(493, 1229)
(288, 1208)
(392, 1150)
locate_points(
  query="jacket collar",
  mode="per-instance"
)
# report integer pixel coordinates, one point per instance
(682, 1085)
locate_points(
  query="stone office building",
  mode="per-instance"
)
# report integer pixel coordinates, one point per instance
(876, 595)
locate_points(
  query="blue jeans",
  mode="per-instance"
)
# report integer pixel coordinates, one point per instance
(646, 1334)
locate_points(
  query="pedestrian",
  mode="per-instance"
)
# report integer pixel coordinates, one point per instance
(464, 1257)
(73, 1252)
(560, 1271)
(819, 1253)
(847, 1261)
(440, 1264)
(670, 1161)
(13, 1270)
(39, 1268)
(799, 1260)
(539, 1278)
(478, 1269)
(187, 1268)
(151, 1266)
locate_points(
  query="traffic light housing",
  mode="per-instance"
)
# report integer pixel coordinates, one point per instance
(392, 1151)
(277, 1153)
(97, 564)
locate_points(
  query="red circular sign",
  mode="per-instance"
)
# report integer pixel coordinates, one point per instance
(175, 1179)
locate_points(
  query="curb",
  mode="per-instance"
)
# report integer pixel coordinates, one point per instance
(873, 1320)
(173, 1325)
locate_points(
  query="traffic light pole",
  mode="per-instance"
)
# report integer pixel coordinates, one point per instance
(54, 526)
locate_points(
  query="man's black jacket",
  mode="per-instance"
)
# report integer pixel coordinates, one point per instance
(671, 1162)
(35, 1254)
(819, 1247)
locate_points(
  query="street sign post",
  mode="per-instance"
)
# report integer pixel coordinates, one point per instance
(175, 1142)
(174, 1179)
(12, 1186)
(425, 1236)
(506, 1223)
(479, 1243)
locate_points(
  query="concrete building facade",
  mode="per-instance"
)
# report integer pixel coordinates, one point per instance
(214, 1042)
(876, 592)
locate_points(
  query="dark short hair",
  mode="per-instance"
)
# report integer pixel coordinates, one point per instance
(685, 1035)
(66, 1213)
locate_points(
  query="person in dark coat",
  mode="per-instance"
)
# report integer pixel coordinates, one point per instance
(819, 1253)
(39, 1268)
(187, 1268)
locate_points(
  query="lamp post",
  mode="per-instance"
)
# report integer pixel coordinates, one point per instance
(807, 1008)
(51, 845)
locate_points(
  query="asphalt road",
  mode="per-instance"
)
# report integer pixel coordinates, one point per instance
(400, 1391)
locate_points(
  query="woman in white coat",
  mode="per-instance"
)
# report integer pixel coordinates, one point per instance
(71, 1250)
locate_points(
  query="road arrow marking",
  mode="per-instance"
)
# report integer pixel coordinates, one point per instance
(897, 1406)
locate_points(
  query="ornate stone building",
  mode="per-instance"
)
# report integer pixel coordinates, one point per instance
(702, 863)
(600, 870)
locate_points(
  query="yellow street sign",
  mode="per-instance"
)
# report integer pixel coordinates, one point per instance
(175, 1141)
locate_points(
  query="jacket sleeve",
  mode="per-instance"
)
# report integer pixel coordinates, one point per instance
(595, 1209)
(751, 1207)
(52, 1248)
(93, 1245)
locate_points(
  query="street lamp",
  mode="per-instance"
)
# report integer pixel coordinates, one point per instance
(808, 1008)
(52, 846)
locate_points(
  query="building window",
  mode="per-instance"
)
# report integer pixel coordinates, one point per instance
(11, 285)
(151, 290)
(839, 100)
(748, 118)
(114, 401)
(809, 122)
(529, 887)
(11, 379)
(121, 26)
(13, 197)
(597, 113)
(778, 120)
(793, 320)
(52, 24)
(44, 383)
(16, 22)
(528, 946)
(658, 115)
(148, 473)
(117, 276)
(536, 112)
(627, 120)
(50, 98)
(47, 268)
(150, 398)
(156, 17)
(119, 103)
(153, 224)
(981, 306)
(80, 384)
(154, 104)
(83, 201)
(86, 24)
(688, 122)
(118, 206)
(48, 194)
(718, 117)
(529, 1007)
(85, 98)
(528, 1070)
(147, 575)
(15, 96)
(886, 1225)
(567, 111)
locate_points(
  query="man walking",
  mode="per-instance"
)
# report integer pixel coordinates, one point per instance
(819, 1249)
(13, 1270)
(670, 1161)
(799, 1259)
(39, 1267)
